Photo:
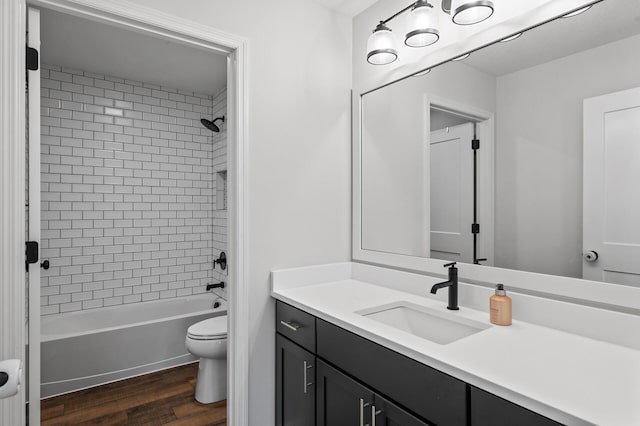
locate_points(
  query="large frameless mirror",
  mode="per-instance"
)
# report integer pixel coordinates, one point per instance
(551, 186)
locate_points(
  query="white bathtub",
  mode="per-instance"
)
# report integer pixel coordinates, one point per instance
(97, 346)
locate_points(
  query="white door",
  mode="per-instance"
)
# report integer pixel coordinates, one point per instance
(33, 277)
(451, 168)
(611, 194)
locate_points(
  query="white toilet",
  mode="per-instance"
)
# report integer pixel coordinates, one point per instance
(208, 340)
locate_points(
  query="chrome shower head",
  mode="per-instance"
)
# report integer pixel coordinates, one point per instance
(211, 125)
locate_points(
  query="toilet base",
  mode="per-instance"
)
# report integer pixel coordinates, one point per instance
(211, 385)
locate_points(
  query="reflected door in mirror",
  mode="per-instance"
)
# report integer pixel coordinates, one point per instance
(452, 193)
(611, 187)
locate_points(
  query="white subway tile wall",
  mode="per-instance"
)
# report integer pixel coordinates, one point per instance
(128, 191)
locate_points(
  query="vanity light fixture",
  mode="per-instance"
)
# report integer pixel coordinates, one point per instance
(380, 50)
(577, 12)
(461, 57)
(468, 12)
(510, 38)
(422, 22)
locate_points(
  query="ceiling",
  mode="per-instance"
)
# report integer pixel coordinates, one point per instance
(96, 47)
(605, 22)
(104, 49)
(347, 7)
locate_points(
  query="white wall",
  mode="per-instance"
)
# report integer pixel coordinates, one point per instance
(299, 151)
(393, 178)
(539, 155)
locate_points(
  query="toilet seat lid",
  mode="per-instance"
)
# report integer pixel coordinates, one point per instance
(210, 328)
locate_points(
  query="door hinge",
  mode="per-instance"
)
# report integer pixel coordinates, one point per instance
(475, 144)
(32, 253)
(32, 59)
(475, 228)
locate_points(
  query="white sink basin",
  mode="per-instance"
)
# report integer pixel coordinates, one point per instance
(435, 326)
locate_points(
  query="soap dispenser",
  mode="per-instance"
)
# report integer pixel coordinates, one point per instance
(500, 307)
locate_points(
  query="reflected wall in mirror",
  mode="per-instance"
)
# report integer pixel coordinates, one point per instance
(553, 104)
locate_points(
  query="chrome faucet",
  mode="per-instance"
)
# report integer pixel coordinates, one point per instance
(452, 283)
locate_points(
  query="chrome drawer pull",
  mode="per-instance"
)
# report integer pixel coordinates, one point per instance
(291, 325)
(306, 384)
(374, 413)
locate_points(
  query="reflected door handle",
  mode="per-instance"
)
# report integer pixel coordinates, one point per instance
(590, 256)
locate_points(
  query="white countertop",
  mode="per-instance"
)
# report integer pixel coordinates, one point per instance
(569, 378)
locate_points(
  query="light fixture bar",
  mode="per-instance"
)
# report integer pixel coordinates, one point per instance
(395, 15)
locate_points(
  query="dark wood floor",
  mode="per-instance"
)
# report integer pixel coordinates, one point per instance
(162, 398)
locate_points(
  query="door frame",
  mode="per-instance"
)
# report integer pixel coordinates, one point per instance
(12, 198)
(485, 122)
(129, 16)
(33, 228)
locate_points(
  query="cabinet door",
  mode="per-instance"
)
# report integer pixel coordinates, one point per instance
(389, 414)
(490, 410)
(295, 384)
(341, 401)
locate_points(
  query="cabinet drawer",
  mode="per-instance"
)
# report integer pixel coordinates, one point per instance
(490, 410)
(297, 325)
(433, 395)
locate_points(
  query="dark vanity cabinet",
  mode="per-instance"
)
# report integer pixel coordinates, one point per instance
(328, 376)
(436, 397)
(343, 401)
(295, 367)
(295, 384)
(490, 410)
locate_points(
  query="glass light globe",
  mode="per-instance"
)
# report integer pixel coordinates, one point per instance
(468, 12)
(380, 49)
(422, 22)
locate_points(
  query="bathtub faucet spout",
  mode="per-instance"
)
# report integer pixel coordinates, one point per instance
(218, 285)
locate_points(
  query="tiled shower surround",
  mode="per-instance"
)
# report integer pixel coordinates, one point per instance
(128, 191)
